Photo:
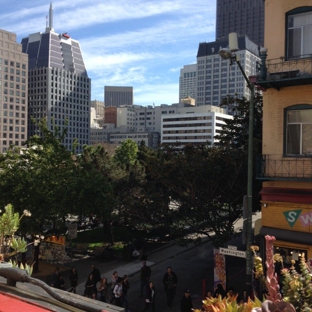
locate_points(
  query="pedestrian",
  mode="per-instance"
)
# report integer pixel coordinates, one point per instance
(61, 283)
(145, 275)
(114, 280)
(118, 293)
(170, 281)
(125, 286)
(73, 278)
(209, 294)
(150, 298)
(55, 278)
(96, 273)
(103, 293)
(186, 302)
(90, 288)
(219, 291)
(243, 298)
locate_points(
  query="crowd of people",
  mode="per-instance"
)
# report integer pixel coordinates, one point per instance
(96, 287)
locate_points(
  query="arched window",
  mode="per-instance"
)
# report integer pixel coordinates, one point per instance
(298, 129)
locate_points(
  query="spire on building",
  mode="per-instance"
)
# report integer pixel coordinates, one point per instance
(50, 24)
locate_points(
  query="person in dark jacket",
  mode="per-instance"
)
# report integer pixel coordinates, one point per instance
(90, 288)
(150, 298)
(186, 302)
(95, 273)
(73, 277)
(219, 291)
(170, 281)
(56, 278)
(145, 274)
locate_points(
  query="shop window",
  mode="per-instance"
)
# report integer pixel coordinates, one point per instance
(298, 129)
(299, 32)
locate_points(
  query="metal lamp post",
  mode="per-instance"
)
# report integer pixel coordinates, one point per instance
(230, 54)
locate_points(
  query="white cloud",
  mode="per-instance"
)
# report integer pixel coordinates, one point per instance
(141, 43)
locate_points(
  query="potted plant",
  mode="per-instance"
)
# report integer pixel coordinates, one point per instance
(9, 224)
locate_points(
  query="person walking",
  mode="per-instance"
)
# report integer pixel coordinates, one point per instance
(73, 278)
(103, 293)
(114, 280)
(150, 298)
(118, 293)
(219, 291)
(170, 281)
(95, 273)
(90, 288)
(56, 278)
(145, 274)
(186, 303)
(125, 286)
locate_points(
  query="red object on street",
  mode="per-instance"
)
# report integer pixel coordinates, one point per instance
(11, 303)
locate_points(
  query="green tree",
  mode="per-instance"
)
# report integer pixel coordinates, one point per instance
(126, 154)
(234, 134)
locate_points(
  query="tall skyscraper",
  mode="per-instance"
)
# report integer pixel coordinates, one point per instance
(216, 79)
(187, 81)
(117, 96)
(59, 87)
(245, 17)
(13, 91)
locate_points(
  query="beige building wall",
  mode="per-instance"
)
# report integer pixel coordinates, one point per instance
(13, 92)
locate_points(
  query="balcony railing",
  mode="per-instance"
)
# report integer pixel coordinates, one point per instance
(279, 167)
(281, 73)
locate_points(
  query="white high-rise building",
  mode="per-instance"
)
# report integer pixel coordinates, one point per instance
(188, 81)
(216, 78)
(194, 125)
(59, 87)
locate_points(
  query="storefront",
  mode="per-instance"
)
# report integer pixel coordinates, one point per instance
(287, 215)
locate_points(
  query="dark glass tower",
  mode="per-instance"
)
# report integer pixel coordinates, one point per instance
(59, 87)
(245, 17)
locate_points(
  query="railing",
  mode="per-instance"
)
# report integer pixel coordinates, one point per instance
(279, 167)
(281, 69)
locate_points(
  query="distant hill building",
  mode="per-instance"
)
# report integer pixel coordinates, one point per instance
(59, 86)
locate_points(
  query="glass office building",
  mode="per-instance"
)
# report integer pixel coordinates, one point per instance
(58, 85)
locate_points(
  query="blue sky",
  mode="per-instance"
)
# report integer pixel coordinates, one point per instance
(139, 43)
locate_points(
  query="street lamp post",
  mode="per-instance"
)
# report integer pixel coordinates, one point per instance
(230, 54)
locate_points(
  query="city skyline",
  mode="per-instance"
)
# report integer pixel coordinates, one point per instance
(138, 43)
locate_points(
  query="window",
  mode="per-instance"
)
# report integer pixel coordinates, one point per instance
(298, 129)
(299, 32)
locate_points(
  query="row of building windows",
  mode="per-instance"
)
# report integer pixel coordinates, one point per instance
(12, 64)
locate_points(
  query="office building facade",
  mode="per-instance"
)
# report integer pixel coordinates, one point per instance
(117, 96)
(59, 87)
(188, 81)
(245, 17)
(13, 92)
(217, 78)
(193, 125)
